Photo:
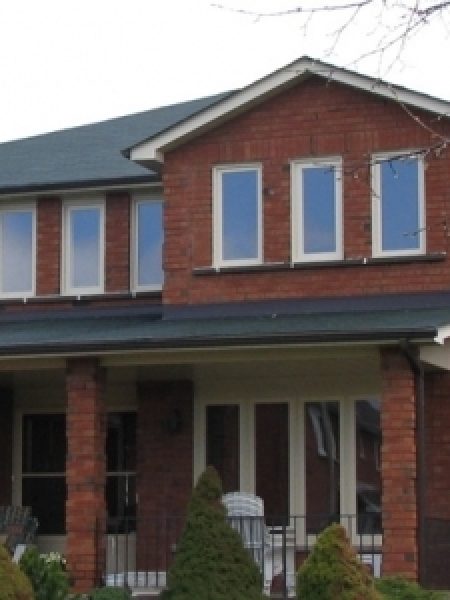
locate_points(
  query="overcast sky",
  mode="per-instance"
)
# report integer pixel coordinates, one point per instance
(70, 62)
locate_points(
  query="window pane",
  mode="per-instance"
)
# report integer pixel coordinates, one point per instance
(17, 251)
(222, 444)
(121, 442)
(272, 460)
(400, 220)
(319, 209)
(368, 472)
(322, 464)
(149, 243)
(47, 498)
(121, 501)
(240, 215)
(44, 443)
(85, 247)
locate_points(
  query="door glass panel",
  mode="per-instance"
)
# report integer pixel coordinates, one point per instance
(222, 444)
(322, 466)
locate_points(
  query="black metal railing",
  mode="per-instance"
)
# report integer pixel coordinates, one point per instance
(141, 551)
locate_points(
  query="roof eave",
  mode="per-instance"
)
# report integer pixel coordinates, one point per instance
(151, 151)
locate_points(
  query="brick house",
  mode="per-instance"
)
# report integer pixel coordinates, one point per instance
(291, 329)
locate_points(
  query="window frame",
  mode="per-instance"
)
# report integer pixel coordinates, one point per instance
(137, 199)
(218, 258)
(297, 203)
(377, 161)
(69, 206)
(8, 207)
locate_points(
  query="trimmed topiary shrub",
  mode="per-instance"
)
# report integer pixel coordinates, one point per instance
(333, 571)
(110, 593)
(397, 588)
(14, 585)
(211, 562)
(46, 573)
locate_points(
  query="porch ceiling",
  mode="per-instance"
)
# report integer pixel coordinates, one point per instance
(96, 331)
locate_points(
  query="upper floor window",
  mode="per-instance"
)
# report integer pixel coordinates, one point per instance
(147, 244)
(398, 205)
(84, 247)
(237, 215)
(316, 210)
(17, 250)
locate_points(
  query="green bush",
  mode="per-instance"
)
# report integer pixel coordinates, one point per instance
(211, 562)
(14, 585)
(397, 588)
(110, 593)
(333, 571)
(46, 573)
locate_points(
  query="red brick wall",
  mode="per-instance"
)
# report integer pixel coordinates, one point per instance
(117, 243)
(164, 469)
(398, 465)
(315, 118)
(86, 469)
(48, 241)
(438, 445)
(6, 430)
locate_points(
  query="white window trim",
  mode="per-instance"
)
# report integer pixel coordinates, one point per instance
(297, 232)
(22, 207)
(218, 260)
(66, 271)
(377, 160)
(141, 198)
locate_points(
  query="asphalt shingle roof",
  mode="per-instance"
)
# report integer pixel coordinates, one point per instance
(90, 154)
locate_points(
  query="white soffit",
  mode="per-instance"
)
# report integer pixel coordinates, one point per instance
(152, 150)
(438, 354)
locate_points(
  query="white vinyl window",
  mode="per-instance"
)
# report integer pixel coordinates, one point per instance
(237, 215)
(398, 206)
(17, 250)
(316, 210)
(147, 243)
(84, 247)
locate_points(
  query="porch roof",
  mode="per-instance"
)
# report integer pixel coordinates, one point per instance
(87, 330)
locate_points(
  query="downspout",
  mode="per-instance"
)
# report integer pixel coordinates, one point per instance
(418, 370)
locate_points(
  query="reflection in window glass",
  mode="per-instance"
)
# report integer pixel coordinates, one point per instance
(222, 444)
(322, 447)
(17, 251)
(400, 205)
(149, 243)
(240, 214)
(368, 474)
(85, 247)
(319, 209)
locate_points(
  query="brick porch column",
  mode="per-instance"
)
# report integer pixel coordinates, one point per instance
(399, 468)
(86, 468)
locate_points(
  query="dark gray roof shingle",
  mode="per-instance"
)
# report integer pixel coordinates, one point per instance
(90, 154)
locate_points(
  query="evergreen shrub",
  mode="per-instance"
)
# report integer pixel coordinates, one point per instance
(333, 571)
(397, 588)
(110, 593)
(14, 585)
(211, 562)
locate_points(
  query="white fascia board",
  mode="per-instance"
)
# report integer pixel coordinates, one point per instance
(152, 150)
(443, 333)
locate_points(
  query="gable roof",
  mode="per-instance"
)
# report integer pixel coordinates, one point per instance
(151, 151)
(89, 155)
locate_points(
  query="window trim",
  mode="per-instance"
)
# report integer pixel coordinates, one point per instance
(70, 205)
(218, 171)
(141, 198)
(297, 230)
(376, 161)
(29, 206)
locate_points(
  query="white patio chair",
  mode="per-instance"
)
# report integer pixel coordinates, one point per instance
(246, 515)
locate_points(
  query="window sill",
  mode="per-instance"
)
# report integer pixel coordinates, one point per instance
(346, 262)
(81, 299)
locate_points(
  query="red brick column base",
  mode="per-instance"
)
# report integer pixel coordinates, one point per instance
(86, 467)
(399, 467)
